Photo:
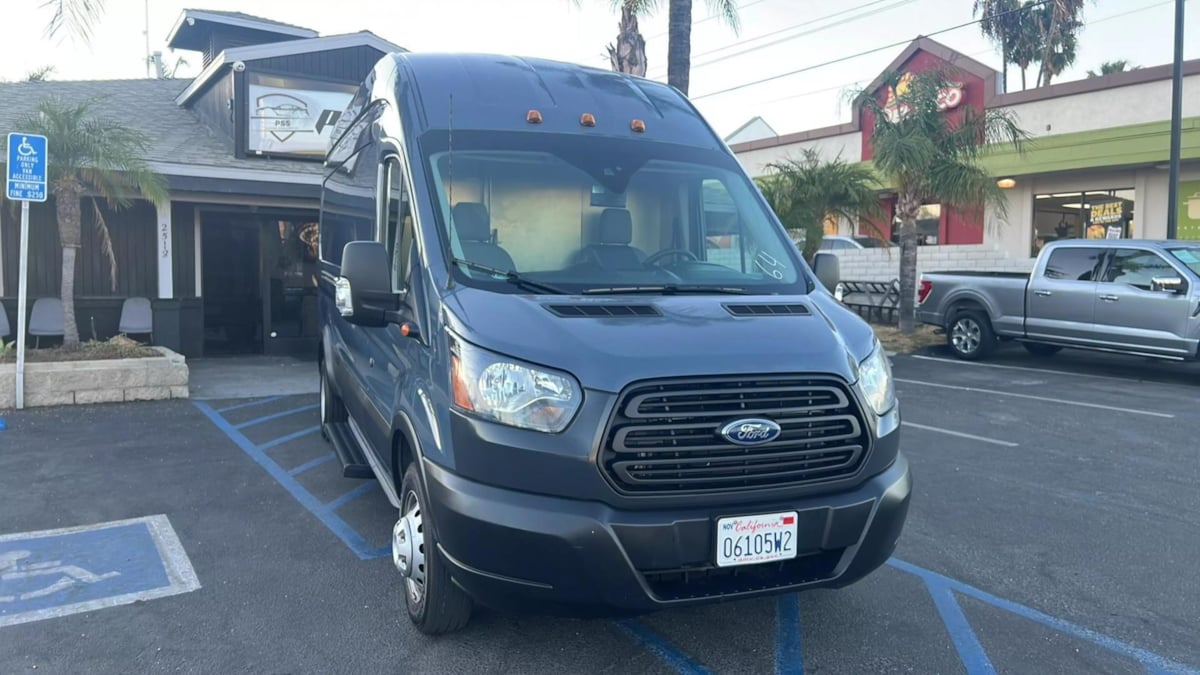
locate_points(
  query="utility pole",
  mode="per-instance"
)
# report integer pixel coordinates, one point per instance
(1176, 123)
(149, 64)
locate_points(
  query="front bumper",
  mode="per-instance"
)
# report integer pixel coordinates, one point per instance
(516, 551)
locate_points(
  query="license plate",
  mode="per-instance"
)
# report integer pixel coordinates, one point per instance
(749, 540)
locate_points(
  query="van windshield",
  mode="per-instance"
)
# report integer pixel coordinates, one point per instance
(597, 214)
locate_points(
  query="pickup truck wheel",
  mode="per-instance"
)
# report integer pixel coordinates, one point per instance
(435, 604)
(333, 411)
(1038, 349)
(970, 335)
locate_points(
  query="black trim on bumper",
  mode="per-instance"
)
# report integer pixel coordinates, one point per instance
(522, 552)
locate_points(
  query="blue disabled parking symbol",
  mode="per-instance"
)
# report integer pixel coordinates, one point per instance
(54, 573)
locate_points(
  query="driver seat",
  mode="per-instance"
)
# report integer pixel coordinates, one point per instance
(474, 226)
(612, 249)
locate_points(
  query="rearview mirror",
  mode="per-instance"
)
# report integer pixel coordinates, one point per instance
(827, 267)
(1168, 284)
(363, 293)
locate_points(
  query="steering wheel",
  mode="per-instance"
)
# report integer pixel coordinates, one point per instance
(670, 253)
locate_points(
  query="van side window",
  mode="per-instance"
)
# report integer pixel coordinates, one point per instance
(1138, 268)
(722, 238)
(397, 229)
(1074, 264)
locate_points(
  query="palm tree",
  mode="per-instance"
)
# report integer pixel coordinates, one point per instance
(1061, 21)
(628, 54)
(1000, 22)
(1026, 44)
(927, 156)
(804, 192)
(679, 33)
(76, 16)
(91, 158)
(1110, 67)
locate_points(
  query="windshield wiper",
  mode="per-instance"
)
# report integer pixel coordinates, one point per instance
(669, 289)
(511, 276)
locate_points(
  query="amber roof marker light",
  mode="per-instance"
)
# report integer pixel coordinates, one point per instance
(587, 120)
(533, 117)
(638, 126)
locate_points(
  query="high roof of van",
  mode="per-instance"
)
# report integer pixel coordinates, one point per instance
(494, 92)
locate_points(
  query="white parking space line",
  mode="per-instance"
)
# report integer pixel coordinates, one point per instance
(959, 362)
(1031, 397)
(950, 432)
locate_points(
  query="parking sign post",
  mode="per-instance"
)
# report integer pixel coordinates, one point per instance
(26, 183)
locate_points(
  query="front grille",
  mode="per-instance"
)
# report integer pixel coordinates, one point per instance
(664, 435)
(703, 582)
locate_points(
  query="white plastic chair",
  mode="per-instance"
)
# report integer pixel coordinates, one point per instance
(46, 319)
(137, 317)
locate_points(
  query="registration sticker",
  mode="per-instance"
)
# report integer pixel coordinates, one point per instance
(749, 540)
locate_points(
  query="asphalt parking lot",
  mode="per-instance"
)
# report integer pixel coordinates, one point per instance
(1055, 528)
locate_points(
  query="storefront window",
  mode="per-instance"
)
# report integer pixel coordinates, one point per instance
(292, 265)
(929, 221)
(1090, 214)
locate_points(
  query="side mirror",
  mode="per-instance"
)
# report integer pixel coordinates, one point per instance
(1168, 284)
(363, 293)
(828, 269)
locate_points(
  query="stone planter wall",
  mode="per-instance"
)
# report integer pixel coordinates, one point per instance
(103, 381)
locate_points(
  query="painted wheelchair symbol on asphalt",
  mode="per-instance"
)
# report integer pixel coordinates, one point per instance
(13, 566)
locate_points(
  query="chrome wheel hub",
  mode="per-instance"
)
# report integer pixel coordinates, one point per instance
(966, 335)
(408, 547)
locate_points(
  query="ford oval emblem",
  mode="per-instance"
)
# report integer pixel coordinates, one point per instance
(755, 431)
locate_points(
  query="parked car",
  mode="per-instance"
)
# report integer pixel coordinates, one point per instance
(1127, 296)
(588, 385)
(838, 242)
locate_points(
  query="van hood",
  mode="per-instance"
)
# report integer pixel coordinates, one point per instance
(682, 335)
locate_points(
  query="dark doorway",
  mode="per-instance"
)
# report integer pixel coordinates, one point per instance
(233, 303)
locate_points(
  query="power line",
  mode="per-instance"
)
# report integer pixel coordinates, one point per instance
(707, 18)
(972, 55)
(848, 57)
(786, 29)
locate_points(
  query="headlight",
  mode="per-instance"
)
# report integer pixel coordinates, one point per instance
(875, 380)
(510, 392)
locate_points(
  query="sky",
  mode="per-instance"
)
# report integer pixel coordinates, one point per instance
(776, 37)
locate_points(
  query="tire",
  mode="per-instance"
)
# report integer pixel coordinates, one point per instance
(969, 335)
(1039, 349)
(333, 410)
(435, 605)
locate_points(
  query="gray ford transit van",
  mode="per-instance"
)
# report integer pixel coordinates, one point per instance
(563, 330)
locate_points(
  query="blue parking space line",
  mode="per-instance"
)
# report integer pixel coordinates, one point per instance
(789, 654)
(310, 464)
(349, 536)
(351, 495)
(257, 401)
(1150, 661)
(966, 643)
(275, 416)
(290, 437)
(660, 647)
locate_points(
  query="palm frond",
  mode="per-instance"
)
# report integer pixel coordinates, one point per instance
(75, 16)
(106, 245)
(638, 7)
(728, 11)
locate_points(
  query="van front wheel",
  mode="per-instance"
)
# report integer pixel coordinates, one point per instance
(435, 604)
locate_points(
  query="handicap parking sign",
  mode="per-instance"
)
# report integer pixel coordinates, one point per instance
(26, 168)
(54, 573)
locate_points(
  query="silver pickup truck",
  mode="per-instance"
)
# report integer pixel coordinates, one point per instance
(1127, 296)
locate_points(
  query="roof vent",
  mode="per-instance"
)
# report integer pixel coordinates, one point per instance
(768, 310)
(603, 310)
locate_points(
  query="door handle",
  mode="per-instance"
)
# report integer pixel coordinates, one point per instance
(1044, 294)
(1109, 298)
